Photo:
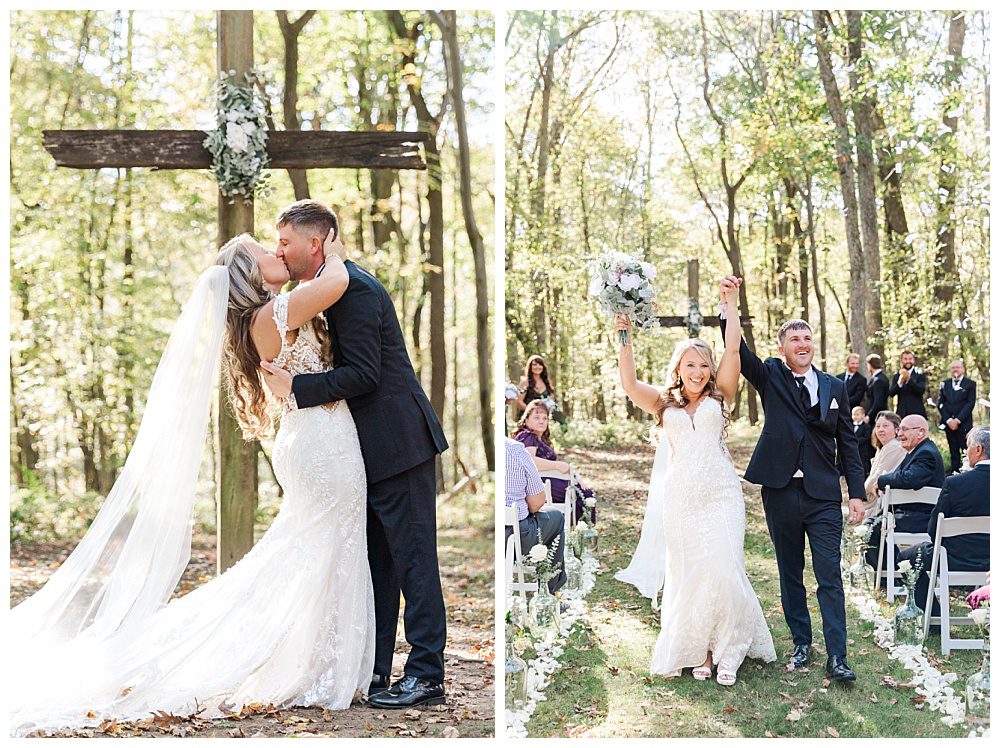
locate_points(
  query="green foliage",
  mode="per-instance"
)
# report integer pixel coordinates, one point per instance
(37, 516)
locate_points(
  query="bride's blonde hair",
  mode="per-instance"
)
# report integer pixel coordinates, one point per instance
(254, 406)
(672, 395)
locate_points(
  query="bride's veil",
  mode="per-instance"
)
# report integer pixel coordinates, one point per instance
(647, 570)
(130, 560)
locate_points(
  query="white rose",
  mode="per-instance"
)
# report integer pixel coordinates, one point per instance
(980, 616)
(629, 281)
(538, 553)
(249, 127)
(648, 270)
(590, 502)
(861, 531)
(232, 115)
(236, 138)
(904, 566)
(581, 526)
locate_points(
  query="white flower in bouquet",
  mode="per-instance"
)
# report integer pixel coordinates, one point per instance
(862, 531)
(236, 137)
(538, 553)
(581, 526)
(590, 502)
(980, 616)
(904, 566)
(551, 404)
(622, 284)
(510, 391)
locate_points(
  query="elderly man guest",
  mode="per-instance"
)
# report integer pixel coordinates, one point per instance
(525, 491)
(964, 495)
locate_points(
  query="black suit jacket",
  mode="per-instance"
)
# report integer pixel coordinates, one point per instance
(878, 396)
(920, 468)
(787, 431)
(952, 404)
(965, 495)
(909, 396)
(397, 427)
(857, 387)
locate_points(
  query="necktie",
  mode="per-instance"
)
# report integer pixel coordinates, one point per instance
(804, 398)
(846, 378)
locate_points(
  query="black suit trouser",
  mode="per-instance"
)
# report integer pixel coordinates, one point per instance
(792, 516)
(956, 445)
(402, 553)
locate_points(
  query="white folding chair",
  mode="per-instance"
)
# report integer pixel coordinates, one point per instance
(941, 579)
(568, 507)
(891, 537)
(514, 559)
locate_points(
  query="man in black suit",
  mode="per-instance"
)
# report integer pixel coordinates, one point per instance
(857, 385)
(964, 495)
(806, 425)
(878, 389)
(921, 467)
(909, 387)
(956, 399)
(400, 438)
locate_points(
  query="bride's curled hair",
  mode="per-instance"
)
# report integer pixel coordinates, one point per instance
(672, 395)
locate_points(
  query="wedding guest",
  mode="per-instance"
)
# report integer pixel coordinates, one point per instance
(964, 495)
(921, 467)
(878, 387)
(863, 432)
(857, 385)
(909, 387)
(524, 490)
(956, 399)
(533, 432)
(535, 383)
(889, 453)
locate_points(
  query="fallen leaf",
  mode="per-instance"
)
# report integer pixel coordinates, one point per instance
(450, 732)
(832, 732)
(794, 715)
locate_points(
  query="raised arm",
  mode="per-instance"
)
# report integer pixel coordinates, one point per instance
(751, 367)
(646, 396)
(728, 375)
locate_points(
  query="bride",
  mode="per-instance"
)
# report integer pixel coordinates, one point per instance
(292, 623)
(709, 611)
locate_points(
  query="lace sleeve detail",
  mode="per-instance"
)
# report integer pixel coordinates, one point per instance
(280, 315)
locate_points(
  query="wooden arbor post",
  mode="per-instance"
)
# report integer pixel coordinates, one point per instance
(237, 485)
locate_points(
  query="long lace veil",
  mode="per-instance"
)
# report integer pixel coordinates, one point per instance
(130, 560)
(647, 569)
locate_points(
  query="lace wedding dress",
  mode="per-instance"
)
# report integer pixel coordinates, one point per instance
(292, 623)
(708, 602)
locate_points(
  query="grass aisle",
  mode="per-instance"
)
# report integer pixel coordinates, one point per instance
(605, 690)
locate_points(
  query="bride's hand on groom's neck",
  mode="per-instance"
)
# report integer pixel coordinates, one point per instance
(334, 247)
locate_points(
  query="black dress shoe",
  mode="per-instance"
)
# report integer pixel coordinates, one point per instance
(409, 691)
(801, 655)
(379, 684)
(838, 669)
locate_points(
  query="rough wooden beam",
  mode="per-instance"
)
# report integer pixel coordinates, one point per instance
(182, 149)
(667, 321)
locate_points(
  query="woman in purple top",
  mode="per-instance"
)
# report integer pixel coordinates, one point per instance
(533, 432)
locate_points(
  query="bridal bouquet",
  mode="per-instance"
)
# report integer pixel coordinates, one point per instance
(622, 284)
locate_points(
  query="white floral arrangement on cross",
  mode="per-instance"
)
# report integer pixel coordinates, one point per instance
(239, 143)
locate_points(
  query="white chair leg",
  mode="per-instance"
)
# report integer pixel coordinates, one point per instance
(945, 612)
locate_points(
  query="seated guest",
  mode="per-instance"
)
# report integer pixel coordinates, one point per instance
(535, 384)
(964, 495)
(533, 432)
(878, 387)
(921, 467)
(857, 385)
(889, 453)
(524, 490)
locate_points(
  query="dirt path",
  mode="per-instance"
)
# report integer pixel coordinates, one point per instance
(467, 577)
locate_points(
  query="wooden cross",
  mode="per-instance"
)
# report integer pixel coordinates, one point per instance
(693, 325)
(183, 149)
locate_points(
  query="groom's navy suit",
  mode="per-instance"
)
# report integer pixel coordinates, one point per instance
(400, 436)
(797, 438)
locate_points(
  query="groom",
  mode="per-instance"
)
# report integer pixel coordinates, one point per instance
(400, 437)
(807, 423)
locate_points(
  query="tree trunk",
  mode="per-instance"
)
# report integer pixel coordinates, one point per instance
(290, 32)
(845, 167)
(453, 59)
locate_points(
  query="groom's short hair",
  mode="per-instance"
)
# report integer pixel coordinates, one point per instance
(309, 216)
(793, 324)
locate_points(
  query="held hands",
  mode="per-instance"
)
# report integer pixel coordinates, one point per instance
(277, 380)
(333, 247)
(855, 511)
(729, 288)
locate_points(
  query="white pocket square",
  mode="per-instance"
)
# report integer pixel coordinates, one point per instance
(833, 404)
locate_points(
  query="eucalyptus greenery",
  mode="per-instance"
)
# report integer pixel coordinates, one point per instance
(239, 143)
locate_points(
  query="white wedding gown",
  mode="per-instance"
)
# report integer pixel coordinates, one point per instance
(292, 623)
(708, 602)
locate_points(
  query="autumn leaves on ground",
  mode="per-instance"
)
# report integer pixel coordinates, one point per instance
(605, 690)
(465, 547)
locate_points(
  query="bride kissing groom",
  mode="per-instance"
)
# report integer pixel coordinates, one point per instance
(308, 616)
(692, 537)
